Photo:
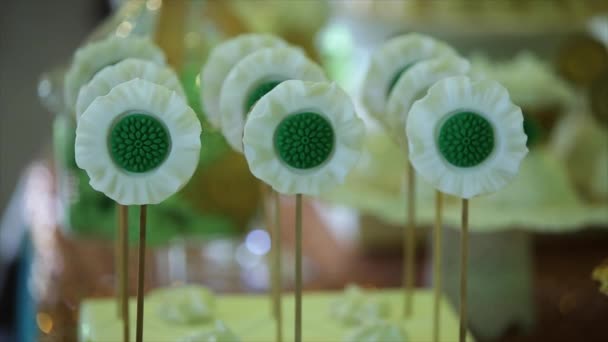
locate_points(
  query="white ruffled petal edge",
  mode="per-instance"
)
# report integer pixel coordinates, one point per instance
(264, 65)
(93, 57)
(124, 71)
(487, 98)
(221, 59)
(413, 85)
(152, 187)
(292, 97)
(387, 61)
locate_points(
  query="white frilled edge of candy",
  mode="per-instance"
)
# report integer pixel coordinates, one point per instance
(221, 60)
(269, 64)
(91, 58)
(389, 60)
(124, 71)
(413, 85)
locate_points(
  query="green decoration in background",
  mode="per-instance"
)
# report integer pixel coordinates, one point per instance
(304, 141)
(466, 139)
(139, 143)
(64, 134)
(396, 78)
(190, 79)
(215, 144)
(258, 92)
(598, 97)
(533, 130)
(94, 215)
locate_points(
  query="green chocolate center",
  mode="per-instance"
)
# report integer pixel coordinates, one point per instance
(258, 92)
(304, 141)
(466, 139)
(139, 143)
(396, 78)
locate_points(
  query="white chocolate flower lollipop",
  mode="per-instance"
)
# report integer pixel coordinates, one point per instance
(139, 144)
(91, 58)
(124, 71)
(221, 60)
(303, 137)
(413, 85)
(390, 61)
(253, 77)
(466, 137)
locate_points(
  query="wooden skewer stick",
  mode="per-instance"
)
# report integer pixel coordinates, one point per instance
(264, 194)
(123, 255)
(278, 281)
(298, 314)
(118, 262)
(274, 229)
(141, 273)
(409, 243)
(437, 266)
(464, 252)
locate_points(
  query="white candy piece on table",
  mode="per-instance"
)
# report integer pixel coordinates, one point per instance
(188, 304)
(377, 331)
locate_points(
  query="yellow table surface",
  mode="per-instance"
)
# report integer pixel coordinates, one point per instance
(249, 317)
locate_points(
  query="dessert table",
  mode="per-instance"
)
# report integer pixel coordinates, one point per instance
(61, 272)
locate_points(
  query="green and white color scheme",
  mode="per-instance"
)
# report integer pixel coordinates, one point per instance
(413, 84)
(92, 58)
(123, 71)
(139, 144)
(466, 137)
(255, 75)
(303, 137)
(219, 63)
(389, 62)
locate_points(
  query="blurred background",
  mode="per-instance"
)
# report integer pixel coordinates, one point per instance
(28, 50)
(35, 37)
(539, 249)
